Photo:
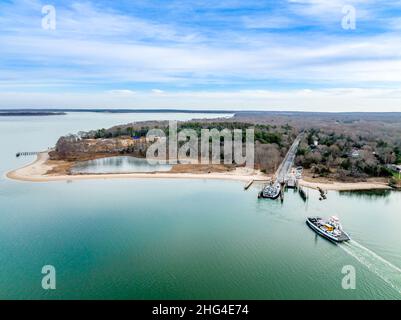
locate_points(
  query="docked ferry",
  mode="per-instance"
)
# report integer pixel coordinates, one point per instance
(330, 229)
(272, 191)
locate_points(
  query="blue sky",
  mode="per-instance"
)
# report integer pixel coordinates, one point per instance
(229, 54)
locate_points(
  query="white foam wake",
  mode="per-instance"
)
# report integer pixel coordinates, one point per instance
(384, 269)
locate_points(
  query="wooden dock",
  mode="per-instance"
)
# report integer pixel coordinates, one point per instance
(247, 186)
(29, 153)
(292, 182)
(250, 182)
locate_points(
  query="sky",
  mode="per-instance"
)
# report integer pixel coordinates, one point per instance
(289, 55)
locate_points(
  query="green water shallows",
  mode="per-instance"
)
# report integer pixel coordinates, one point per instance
(120, 164)
(183, 239)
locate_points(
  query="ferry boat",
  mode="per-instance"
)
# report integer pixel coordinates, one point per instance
(272, 191)
(330, 229)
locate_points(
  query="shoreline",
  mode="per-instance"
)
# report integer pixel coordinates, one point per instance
(345, 186)
(37, 172)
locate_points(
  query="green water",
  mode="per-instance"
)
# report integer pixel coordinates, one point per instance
(182, 239)
(120, 164)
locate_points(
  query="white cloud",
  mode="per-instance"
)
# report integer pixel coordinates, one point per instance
(122, 92)
(157, 91)
(95, 47)
(269, 22)
(373, 60)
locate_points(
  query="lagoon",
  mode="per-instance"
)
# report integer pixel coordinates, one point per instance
(119, 164)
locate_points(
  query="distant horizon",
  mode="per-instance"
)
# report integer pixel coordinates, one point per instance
(174, 110)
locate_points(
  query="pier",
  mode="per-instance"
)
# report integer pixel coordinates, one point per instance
(284, 169)
(282, 176)
(248, 184)
(292, 182)
(28, 153)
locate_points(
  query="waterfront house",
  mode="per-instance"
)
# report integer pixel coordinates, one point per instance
(394, 167)
(355, 153)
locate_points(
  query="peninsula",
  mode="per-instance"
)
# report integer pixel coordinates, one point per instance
(338, 151)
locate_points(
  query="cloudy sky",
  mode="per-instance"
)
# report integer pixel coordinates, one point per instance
(203, 54)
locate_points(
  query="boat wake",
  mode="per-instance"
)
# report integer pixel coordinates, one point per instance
(384, 269)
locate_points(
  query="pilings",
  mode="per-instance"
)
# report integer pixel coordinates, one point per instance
(323, 194)
(249, 184)
(302, 193)
(20, 154)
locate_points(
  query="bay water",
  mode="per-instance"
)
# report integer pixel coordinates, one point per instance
(181, 239)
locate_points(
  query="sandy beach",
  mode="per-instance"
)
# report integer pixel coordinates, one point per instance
(344, 186)
(38, 170)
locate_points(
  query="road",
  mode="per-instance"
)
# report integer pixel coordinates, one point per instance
(272, 190)
(288, 161)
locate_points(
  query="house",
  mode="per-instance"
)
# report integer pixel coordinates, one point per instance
(355, 153)
(394, 167)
